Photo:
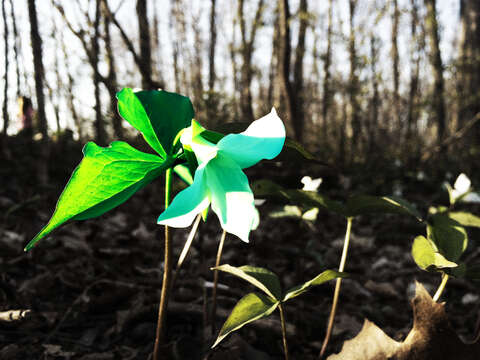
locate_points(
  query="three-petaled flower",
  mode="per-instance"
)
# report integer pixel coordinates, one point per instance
(219, 179)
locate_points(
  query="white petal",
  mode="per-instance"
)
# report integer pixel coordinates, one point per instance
(462, 184)
(231, 197)
(187, 204)
(263, 139)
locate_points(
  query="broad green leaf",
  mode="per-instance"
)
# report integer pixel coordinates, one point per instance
(291, 144)
(465, 218)
(448, 235)
(250, 308)
(262, 278)
(459, 271)
(158, 115)
(317, 280)
(427, 256)
(105, 178)
(365, 204)
(451, 196)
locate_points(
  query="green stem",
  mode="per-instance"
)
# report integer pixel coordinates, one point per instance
(215, 281)
(441, 287)
(284, 331)
(337, 288)
(167, 274)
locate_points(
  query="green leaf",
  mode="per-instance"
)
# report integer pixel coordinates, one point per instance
(317, 280)
(448, 235)
(262, 278)
(427, 256)
(250, 308)
(105, 178)
(365, 204)
(291, 144)
(158, 115)
(465, 218)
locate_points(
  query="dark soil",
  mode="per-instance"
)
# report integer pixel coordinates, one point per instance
(92, 288)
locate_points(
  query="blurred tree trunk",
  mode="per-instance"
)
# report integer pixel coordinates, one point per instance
(110, 81)
(248, 42)
(213, 42)
(233, 60)
(55, 96)
(469, 62)
(144, 60)
(6, 119)
(36, 41)
(271, 93)
(284, 50)
(327, 89)
(145, 45)
(375, 101)
(438, 101)
(395, 64)
(196, 69)
(417, 43)
(100, 134)
(157, 48)
(70, 91)
(298, 86)
(15, 49)
(353, 86)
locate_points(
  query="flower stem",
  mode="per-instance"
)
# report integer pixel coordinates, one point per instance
(167, 274)
(441, 287)
(186, 249)
(284, 331)
(337, 288)
(215, 281)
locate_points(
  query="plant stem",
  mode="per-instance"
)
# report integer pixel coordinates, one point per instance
(284, 331)
(441, 287)
(186, 248)
(337, 288)
(167, 274)
(215, 281)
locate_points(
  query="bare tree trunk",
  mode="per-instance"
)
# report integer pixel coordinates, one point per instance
(284, 65)
(353, 86)
(271, 94)
(438, 101)
(100, 134)
(15, 48)
(70, 92)
(375, 101)
(36, 42)
(145, 46)
(418, 42)
(298, 87)
(247, 52)
(233, 60)
(327, 89)
(469, 63)
(6, 119)
(110, 81)
(213, 42)
(395, 64)
(157, 49)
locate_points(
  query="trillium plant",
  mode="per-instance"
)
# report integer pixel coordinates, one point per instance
(212, 165)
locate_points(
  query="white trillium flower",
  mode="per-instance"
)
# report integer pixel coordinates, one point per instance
(310, 184)
(219, 180)
(461, 187)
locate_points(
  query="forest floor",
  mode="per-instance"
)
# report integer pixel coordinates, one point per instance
(92, 288)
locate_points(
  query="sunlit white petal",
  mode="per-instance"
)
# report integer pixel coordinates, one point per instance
(263, 139)
(188, 203)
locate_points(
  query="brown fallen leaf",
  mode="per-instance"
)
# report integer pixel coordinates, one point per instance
(431, 337)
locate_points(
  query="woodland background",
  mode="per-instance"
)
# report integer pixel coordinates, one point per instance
(383, 92)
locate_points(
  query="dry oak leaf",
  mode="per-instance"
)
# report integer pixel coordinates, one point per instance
(431, 338)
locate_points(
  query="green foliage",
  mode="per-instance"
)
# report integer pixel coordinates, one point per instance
(256, 306)
(448, 236)
(251, 307)
(354, 206)
(105, 178)
(465, 218)
(427, 256)
(158, 115)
